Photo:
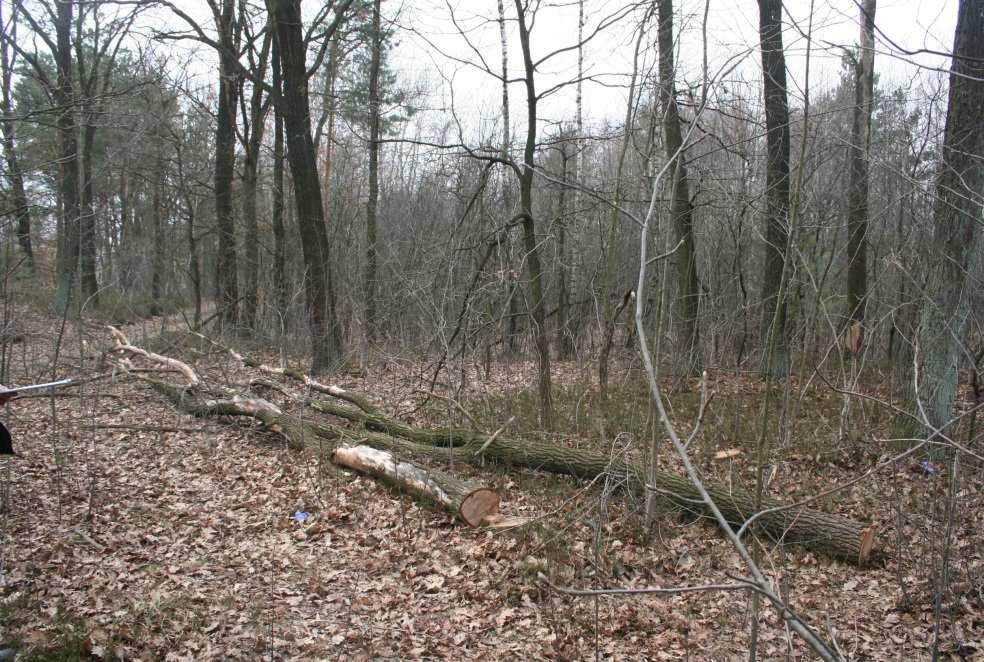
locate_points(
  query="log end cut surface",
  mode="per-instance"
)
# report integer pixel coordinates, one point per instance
(478, 505)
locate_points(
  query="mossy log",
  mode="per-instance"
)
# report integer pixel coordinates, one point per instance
(469, 502)
(829, 534)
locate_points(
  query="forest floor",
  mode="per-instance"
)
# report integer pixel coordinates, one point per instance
(129, 530)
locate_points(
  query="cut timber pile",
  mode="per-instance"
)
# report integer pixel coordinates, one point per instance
(832, 535)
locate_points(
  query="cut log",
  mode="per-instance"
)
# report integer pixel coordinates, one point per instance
(829, 534)
(833, 535)
(467, 502)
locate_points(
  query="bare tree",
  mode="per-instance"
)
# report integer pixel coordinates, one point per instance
(681, 209)
(857, 231)
(22, 210)
(292, 101)
(956, 229)
(776, 356)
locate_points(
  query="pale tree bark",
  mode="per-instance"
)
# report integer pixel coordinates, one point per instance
(776, 352)
(957, 229)
(681, 210)
(857, 221)
(510, 327)
(534, 265)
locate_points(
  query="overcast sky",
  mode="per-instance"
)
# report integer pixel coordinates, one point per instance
(432, 51)
(429, 52)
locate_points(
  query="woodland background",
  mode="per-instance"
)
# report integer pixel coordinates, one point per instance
(730, 269)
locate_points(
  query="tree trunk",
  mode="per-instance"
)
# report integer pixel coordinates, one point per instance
(87, 221)
(292, 97)
(832, 535)
(157, 261)
(226, 265)
(277, 213)
(857, 221)
(253, 142)
(22, 210)
(466, 501)
(681, 211)
(957, 227)
(565, 337)
(538, 317)
(369, 323)
(68, 246)
(776, 353)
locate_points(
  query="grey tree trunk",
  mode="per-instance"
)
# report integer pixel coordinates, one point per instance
(292, 99)
(857, 221)
(22, 211)
(776, 352)
(68, 246)
(530, 244)
(957, 227)
(226, 265)
(258, 107)
(681, 211)
(369, 329)
(277, 213)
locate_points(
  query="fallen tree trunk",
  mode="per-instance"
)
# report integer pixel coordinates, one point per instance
(473, 504)
(825, 533)
(832, 535)
(469, 504)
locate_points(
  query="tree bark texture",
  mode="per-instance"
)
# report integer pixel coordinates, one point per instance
(22, 210)
(857, 222)
(681, 210)
(957, 226)
(538, 317)
(777, 186)
(292, 97)
(68, 246)
(226, 265)
(466, 501)
(369, 331)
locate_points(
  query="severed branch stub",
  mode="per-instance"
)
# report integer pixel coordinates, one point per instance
(472, 505)
(123, 345)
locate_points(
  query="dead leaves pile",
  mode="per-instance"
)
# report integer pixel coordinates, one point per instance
(183, 545)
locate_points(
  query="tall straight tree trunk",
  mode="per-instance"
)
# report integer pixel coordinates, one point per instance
(292, 97)
(87, 221)
(957, 227)
(254, 139)
(681, 211)
(510, 329)
(776, 352)
(22, 211)
(277, 213)
(857, 220)
(157, 263)
(226, 265)
(68, 246)
(538, 317)
(369, 330)
(565, 337)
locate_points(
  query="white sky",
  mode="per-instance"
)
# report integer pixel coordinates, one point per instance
(428, 36)
(732, 30)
